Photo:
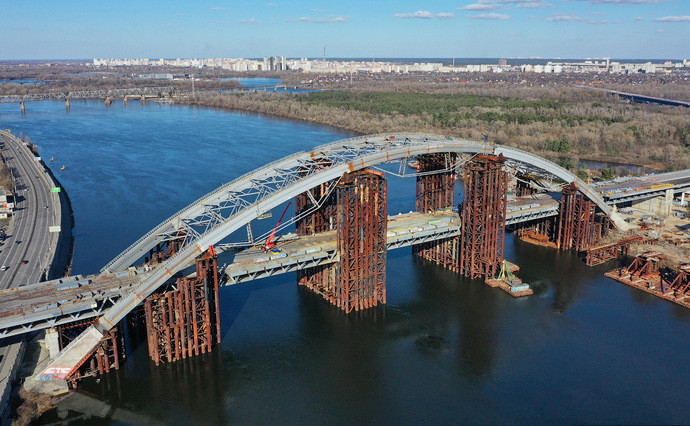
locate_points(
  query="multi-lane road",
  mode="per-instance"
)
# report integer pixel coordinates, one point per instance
(25, 253)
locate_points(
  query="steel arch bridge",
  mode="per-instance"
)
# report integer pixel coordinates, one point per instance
(213, 217)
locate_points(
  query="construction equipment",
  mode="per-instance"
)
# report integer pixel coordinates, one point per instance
(270, 244)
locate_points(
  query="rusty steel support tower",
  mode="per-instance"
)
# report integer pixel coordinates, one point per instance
(577, 229)
(320, 279)
(106, 356)
(483, 222)
(185, 322)
(436, 191)
(358, 211)
(362, 225)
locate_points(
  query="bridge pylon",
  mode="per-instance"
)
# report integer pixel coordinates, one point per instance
(359, 213)
(577, 229)
(436, 191)
(482, 232)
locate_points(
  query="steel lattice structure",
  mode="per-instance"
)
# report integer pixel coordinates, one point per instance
(88, 94)
(218, 214)
(483, 217)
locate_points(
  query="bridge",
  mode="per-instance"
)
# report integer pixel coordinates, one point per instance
(341, 211)
(140, 92)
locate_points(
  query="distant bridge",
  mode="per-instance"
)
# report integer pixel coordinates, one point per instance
(88, 94)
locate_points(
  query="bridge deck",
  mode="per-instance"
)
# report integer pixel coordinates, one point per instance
(47, 304)
(636, 188)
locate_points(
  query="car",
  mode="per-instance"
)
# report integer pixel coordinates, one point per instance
(4, 267)
(24, 262)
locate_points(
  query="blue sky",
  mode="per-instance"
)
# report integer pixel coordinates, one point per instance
(56, 29)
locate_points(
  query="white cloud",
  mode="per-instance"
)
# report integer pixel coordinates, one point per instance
(481, 6)
(271, 4)
(217, 8)
(684, 18)
(249, 21)
(624, 2)
(564, 17)
(591, 21)
(597, 13)
(489, 16)
(318, 10)
(638, 19)
(533, 4)
(329, 20)
(425, 14)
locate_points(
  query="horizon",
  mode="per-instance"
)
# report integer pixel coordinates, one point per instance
(301, 28)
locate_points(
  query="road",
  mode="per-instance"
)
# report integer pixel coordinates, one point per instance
(27, 239)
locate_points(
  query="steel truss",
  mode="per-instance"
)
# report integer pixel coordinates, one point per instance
(185, 322)
(217, 215)
(436, 191)
(483, 217)
(577, 229)
(89, 94)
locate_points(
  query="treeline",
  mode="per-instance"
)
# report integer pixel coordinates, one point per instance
(603, 130)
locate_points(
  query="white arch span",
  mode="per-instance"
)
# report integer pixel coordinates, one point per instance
(230, 207)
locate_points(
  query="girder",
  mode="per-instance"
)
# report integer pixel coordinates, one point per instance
(89, 94)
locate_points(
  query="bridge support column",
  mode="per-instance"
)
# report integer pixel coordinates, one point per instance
(52, 339)
(320, 279)
(577, 229)
(143, 99)
(67, 105)
(106, 356)
(108, 101)
(436, 191)
(185, 322)
(482, 232)
(124, 99)
(359, 213)
(22, 108)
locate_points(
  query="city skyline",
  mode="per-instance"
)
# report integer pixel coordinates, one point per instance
(471, 29)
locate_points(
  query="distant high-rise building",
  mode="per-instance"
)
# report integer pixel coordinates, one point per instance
(502, 62)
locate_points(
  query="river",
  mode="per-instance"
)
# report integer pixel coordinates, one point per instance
(583, 349)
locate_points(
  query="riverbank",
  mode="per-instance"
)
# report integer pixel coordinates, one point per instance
(565, 131)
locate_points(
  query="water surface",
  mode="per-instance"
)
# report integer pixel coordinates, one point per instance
(584, 349)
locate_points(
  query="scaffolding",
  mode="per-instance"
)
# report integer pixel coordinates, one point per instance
(577, 229)
(185, 322)
(482, 233)
(105, 357)
(359, 213)
(436, 191)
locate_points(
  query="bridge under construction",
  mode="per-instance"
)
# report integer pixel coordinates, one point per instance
(168, 280)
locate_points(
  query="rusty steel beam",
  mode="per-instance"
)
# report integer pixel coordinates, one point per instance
(577, 229)
(106, 356)
(185, 322)
(482, 234)
(436, 191)
(362, 224)
(359, 213)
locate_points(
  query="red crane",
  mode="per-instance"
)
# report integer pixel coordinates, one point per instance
(269, 242)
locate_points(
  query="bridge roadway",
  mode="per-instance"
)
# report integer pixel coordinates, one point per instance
(627, 189)
(87, 94)
(27, 239)
(47, 304)
(215, 216)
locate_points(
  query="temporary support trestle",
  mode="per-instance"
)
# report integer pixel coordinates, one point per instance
(185, 322)
(436, 191)
(577, 229)
(106, 356)
(358, 280)
(483, 222)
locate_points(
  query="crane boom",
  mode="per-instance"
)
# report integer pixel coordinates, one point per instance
(269, 242)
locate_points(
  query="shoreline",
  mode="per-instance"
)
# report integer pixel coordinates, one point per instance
(611, 163)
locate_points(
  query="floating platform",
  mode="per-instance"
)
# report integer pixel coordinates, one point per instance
(509, 282)
(650, 284)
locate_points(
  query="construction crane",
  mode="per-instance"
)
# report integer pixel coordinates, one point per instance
(270, 244)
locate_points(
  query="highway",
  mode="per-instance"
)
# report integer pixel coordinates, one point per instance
(27, 239)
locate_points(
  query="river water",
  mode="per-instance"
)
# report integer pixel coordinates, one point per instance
(583, 349)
